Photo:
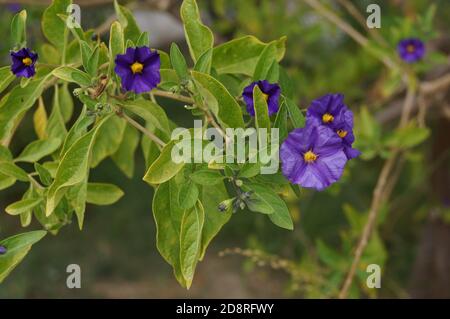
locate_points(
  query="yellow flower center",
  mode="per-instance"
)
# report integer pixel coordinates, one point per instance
(27, 61)
(309, 157)
(327, 118)
(266, 96)
(342, 133)
(137, 67)
(410, 48)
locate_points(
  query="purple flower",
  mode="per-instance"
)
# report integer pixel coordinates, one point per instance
(139, 69)
(271, 93)
(14, 7)
(23, 62)
(3, 250)
(330, 110)
(411, 50)
(313, 157)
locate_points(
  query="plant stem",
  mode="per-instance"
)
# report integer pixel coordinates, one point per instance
(173, 96)
(138, 126)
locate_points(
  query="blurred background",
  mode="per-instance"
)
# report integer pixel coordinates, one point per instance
(251, 258)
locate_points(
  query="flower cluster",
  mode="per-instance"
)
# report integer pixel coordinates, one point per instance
(315, 156)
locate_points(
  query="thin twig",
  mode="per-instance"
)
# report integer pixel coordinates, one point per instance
(138, 126)
(173, 96)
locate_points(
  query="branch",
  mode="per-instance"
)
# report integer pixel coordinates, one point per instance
(138, 126)
(173, 96)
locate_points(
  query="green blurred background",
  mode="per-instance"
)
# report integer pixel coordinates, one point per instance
(117, 251)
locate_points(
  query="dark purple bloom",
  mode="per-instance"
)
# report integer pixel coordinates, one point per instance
(330, 110)
(3, 250)
(139, 69)
(313, 157)
(411, 50)
(271, 93)
(14, 7)
(23, 62)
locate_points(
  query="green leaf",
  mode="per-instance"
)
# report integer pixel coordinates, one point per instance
(77, 197)
(262, 119)
(6, 181)
(204, 62)
(408, 136)
(109, 137)
(73, 167)
(70, 74)
(53, 26)
(266, 60)
(240, 56)
(12, 170)
(5, 154)
(44, 174)
(86, 52)
(168, 215)
(144, 40)
(92, 63)
(178, 62)
(55, 126)
(264, 200)
(128, 22)
(14, 105)
(188, 195)
(124, 156)
(103, 194)
(296, 116)
(151, 112)
(214, 220)
(6, 77)
(65, 102)
(18, 28)
(78, 129)
(23, 206)
(190, 241)
(207, 177)
(198, 36)
(219, 100)
(17, 248)
(36, 150)
(281, 122)
(40, 120)
(163, 169)
(116, 43)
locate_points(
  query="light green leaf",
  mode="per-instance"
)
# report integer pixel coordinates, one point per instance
(408, 136)
(23, 206)
(296, 116)
(17, 248)
(12, 170)
(188, 195)
(163, 169)
(124, 156)
(207, 177)
(103, 194)
(44, 174)
(6, 77)
(6, 181)
(76, 196)
(116, 43)
(219, 100)
(178, 62)
(73, 167)
(190, 241)
(281, 122)
(54, 27)
(65, 102)
(199, 37)
(40, 120)
(78, 129)
(262, 119)
(55, 125)
(128, 22)
(260, 200)
(144, 40)
(204, 62)
(5, 154)
(70, 74)
(18, 28)
(267, 58)
(109, 137)
(240, 56)
(36, 150)
(15, 104)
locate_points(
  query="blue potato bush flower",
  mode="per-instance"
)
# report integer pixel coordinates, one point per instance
(411, 50)
(271, 91)
(23, 63)
(139, 69)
